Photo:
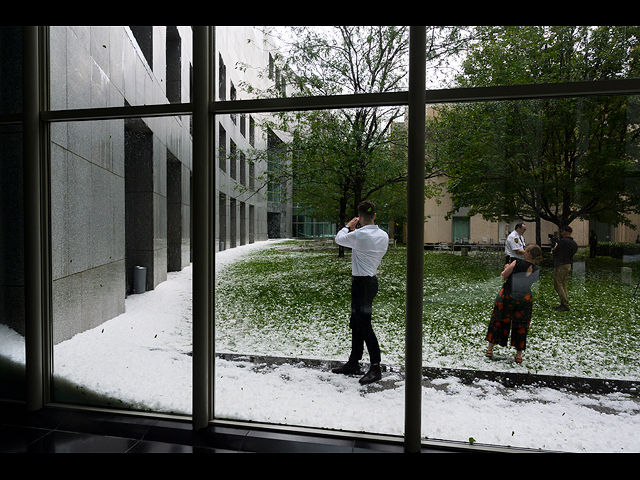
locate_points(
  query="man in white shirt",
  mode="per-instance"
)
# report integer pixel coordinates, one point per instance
(368, 244)
(514, 246)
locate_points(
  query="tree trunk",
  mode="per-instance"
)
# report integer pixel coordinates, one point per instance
(343, 221)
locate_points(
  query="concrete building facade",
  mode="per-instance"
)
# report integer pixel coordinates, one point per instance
(120, 191)
(121, 202)
(245, 212)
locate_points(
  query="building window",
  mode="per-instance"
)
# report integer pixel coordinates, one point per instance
(243, 169)
(113, 180)
(222, 79)
(222, 148)
(232, 97)
(174, 65)
(144, 37)
(233, 161)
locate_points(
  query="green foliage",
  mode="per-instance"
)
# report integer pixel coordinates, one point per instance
(338, 159)
(618, 249)
(556, 159)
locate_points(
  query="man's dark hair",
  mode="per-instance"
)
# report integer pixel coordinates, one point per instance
(366, 210)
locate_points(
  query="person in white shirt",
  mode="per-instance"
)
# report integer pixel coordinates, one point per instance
(514, 246)
(368, 244)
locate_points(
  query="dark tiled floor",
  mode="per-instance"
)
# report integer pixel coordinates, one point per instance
(59, 430)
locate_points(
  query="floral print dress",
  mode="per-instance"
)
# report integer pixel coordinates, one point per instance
(513, 307)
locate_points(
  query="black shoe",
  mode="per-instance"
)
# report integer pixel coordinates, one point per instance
(561, 308)
(373, 375)
(352, 367)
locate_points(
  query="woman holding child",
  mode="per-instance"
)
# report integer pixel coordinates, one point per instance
(514, 303)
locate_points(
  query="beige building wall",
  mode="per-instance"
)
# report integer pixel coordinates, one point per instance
(627, 234)
(438, 229)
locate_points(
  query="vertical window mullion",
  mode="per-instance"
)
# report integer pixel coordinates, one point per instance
(36, 217)
(415, 238)
(203, 228)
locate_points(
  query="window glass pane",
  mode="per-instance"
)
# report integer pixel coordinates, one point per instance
(271, 62)
(283, 306)
(10, 69)
(108, 66)
(121, 263)
(12, 321)
(481, 56)
(548, 164)
(289, 301)
(308, 227)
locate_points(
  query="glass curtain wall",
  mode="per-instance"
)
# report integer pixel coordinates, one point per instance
(548, 143)
(548, 164)
(310, 228)
(491, 164)
(554, 161)
(282, 308)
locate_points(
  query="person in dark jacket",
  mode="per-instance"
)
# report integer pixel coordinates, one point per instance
(593, 244)
(563, 253)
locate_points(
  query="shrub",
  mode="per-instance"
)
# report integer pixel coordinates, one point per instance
(617, 249)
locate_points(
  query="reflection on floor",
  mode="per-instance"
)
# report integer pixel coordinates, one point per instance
(60, 430)
(57, 429)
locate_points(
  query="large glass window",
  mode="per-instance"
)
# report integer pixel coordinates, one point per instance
(313, 120)
(121, 264)
(303, 61)
(282, 307)
(490, 166)
(104, 66)
(121, 220)
(548, 164)
(484, 56)
(286, 301)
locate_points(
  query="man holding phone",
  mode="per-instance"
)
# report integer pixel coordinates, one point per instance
(368, 244)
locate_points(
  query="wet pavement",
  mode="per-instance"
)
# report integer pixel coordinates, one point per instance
(576, 385)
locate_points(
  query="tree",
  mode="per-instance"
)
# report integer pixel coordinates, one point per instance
(552, 159)
(338, 158)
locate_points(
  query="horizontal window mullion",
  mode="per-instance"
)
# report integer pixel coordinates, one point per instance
(310, 103)
(450, 95)
(117, 112)
(630, 86)
(479, 94)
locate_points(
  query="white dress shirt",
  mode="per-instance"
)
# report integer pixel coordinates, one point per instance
(368, 245)
(514, 242)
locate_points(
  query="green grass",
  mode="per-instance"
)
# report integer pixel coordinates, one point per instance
(293, 299)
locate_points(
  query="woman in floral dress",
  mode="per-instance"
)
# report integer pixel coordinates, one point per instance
(514, 304)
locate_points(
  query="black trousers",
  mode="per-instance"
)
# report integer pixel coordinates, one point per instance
(363, 291)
